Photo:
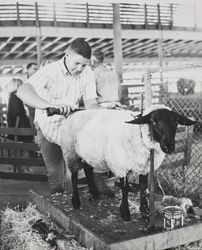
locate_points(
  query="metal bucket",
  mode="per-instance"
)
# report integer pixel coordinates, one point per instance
(172, 217)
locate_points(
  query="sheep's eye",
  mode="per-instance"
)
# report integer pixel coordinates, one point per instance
(154, 123)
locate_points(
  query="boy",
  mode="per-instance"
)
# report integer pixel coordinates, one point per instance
(59, 84)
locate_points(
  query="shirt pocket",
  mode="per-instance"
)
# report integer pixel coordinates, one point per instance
(55, 90)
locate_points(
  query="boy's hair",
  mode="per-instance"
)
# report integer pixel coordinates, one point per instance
(29, 65)
(81, 47)
(99, 55)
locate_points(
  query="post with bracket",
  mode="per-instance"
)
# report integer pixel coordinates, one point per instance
(148, 103)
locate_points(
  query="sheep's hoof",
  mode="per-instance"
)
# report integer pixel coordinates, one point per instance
(125, 213)
(125, 218)
(76, 203)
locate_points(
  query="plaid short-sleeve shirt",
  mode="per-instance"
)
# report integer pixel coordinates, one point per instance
(54, 84)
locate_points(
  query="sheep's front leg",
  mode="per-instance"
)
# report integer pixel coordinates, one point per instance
(91, 184)
(125, 213)
(144, 208)
(75, 197)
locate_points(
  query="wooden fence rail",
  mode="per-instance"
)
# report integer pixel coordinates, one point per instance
(17, 154)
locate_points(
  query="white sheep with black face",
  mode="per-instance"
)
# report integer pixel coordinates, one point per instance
(106, 140)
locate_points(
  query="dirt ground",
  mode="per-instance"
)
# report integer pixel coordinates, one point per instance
(102, 216)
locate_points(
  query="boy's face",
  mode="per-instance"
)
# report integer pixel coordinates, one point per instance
(75, 63)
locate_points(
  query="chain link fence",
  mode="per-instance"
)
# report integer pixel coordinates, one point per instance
(181, 172)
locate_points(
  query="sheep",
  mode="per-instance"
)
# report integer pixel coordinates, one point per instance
(109, 140)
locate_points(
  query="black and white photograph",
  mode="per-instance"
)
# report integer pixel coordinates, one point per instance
(100, 125)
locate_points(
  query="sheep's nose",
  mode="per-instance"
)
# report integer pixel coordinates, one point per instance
(168, 149)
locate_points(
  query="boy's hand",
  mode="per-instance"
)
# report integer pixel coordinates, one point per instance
(60, 110)
(115, 105)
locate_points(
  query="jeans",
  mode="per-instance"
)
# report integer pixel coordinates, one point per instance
(54, 162)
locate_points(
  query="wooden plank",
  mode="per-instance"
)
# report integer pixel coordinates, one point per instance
(28, 177)
(17, 131)
(84, 236)
(22, 161)
(19, 145)
(164, 240)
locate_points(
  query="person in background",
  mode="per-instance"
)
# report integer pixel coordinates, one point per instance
(61, 84)
(17, 117)
(16, 113)
(107, 82)
(109, 94)
(31, 69)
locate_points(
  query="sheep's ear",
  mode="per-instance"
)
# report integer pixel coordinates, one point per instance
(182, 120)
(140, 119)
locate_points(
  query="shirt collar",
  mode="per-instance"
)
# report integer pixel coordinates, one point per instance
(64, 67)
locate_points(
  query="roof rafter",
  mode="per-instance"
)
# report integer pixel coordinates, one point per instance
(15, 47)
(3, 45)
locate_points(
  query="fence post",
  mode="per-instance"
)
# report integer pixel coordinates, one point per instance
(159, 15)
(187, 153)
(148, 90)
(87, 15)
(18, 13)
(145, 16)
(54, 15)
(171, 16)
(148, 103)
(160, 55)
(38, 36)
(36, 15)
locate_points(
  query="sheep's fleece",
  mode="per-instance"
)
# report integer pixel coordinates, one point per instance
(103, 139)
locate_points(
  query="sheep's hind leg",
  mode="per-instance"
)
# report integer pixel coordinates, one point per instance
(75, 197)
(91, 184)
(125, 213)
(144, 208)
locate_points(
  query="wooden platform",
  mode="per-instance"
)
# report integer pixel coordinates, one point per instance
(88, 231)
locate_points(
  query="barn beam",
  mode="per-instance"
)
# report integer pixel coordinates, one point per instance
(15, 47)
(118, 58)
(142, 60)
(13, 31)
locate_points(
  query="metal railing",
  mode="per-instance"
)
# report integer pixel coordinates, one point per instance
(87, 14)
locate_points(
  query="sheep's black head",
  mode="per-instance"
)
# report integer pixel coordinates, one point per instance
(163, 124)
